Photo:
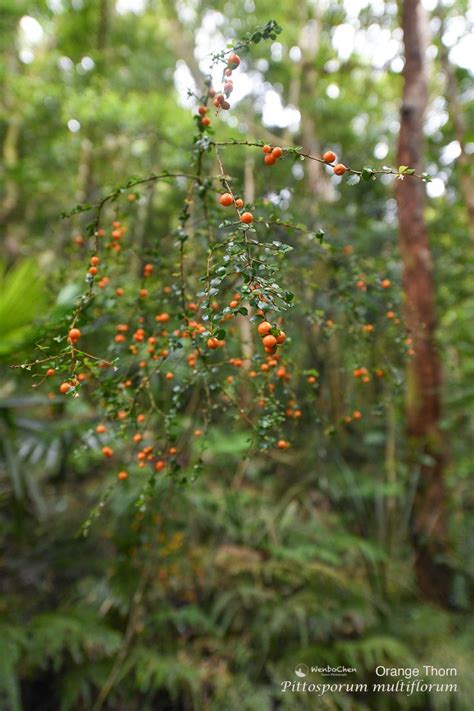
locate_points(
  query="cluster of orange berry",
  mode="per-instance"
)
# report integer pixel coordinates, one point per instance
(363, 374)
(73, 336)
(118, 231)
(269, 341)
(356, 415)
(144, 455)
(226, 200)
(214, 343)
(147, 270)
(271, 154)
(94, 263)
(330, 158)
(220, 100)
(362, 284)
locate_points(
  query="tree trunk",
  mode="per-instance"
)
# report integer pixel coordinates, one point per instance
(429, 517)
(457, 117)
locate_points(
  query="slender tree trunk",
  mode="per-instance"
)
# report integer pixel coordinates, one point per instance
(305, 85)
(103, 28)
(429, 522)
(457, 117)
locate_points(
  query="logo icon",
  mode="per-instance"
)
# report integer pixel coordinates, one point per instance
(301, 670)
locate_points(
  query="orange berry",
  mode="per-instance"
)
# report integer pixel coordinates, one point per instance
(143, 293)
(202, 110)
(197, 433)
(264, 327)
(93, 271)
(100, 429)
(95, 261)
(282, 444)
(50, 371)
(277, 152)
(173, 451)
(269, 341)
(267, 149)
(269, 159)
(212, 343)
(281, 338)
(385, 283)
(246, 218)
(122, 476)
(206, 121)
(74, 335)
(311, 379)
(340, 169)
(233, 304)
(169, 375)
(137, 438)
(390, 314)
(233, 61)
(159, 465)
(226, 199)
(329, 157)
(64, 388)
(239, 203)
(356, 415)
(107, 452)
(119, 291)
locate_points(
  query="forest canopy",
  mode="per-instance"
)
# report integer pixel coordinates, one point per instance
(237, 361)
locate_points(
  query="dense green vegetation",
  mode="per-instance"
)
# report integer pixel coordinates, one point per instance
(203, 582)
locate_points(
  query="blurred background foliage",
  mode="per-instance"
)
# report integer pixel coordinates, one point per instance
(210, 599)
